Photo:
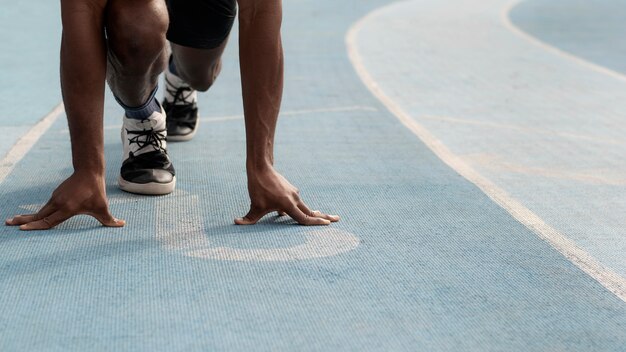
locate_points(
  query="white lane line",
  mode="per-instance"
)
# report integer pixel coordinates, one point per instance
(579, 257)
(26, 142)
(506, 20)
(294, 112)
(530, 130)
(212, 119)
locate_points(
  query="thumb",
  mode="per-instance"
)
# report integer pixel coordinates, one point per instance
(253, 216)
(109, 220)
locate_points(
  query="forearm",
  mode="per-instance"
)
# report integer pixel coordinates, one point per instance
(83, 69)
(261, 63)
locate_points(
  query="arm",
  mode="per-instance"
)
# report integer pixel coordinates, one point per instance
(261, 62)
(83, 68)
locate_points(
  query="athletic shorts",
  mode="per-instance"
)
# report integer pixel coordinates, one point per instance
(200, 24)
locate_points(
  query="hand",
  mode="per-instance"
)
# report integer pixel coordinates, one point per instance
(79, 194)
(270, 191)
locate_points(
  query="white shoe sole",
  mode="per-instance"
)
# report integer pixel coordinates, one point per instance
(153, 188)
(186, 137)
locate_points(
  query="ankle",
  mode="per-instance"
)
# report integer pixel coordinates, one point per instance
(144, 111)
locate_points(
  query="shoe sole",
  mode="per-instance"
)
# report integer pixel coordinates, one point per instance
(184, 137)
(152, 188)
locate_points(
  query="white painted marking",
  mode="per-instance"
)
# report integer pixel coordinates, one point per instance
(325, 242)
(530, 130)
(506, 20)
(181, 228)
(579, 257)
(28, 140)
(295, 112)
(590, 176)
(212, 119)
(33, 208)
(123, 199)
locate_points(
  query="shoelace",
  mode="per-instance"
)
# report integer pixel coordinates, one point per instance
(179, 93)
(152, 138)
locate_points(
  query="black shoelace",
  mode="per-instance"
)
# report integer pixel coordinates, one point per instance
(152, 138)
(178, 93)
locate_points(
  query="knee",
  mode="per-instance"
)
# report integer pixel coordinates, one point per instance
(201, 83)
(201, 79)
(136, 37)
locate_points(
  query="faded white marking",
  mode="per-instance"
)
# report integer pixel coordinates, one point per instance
(579, 257)
(295, 112)
(181, 228)
(592, 176)
(123, 199)
(211, 119)
(324, 242)
(33, 208)
(27, 141)
(530, 130)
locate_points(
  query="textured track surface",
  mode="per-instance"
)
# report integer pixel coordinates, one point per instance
(422, 260)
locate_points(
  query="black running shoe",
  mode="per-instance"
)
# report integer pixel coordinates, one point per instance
(147, 168)
(181, 109)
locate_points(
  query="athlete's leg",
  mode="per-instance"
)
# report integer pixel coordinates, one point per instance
(198, 34)
(137, 48)
(137, 54)
(199, 68)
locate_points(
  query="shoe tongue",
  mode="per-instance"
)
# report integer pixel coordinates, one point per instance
(154, 122)
(149, 123)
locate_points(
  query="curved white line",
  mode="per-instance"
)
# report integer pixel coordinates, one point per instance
(24, 144)
(319, 244)
(506, 20)
(579, 257)
(191, 240)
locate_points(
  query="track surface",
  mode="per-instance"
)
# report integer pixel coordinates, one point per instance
(423, 258)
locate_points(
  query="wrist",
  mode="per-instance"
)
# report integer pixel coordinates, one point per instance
(92, 168)
(255, 166)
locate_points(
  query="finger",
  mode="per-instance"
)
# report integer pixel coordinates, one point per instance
(304, 219)
(109, 220)
(281, 213)
(21, 219)
(316, 213)
(331, 218)
(113, 222)
(47, 222)
(46, 210)
(24, 219)
(103, 215)
(253, 216)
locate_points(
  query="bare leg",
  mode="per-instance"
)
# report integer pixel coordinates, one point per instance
(137, 49)
(198, 67)
(196, 70)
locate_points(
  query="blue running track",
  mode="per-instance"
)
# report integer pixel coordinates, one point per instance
(493, 223)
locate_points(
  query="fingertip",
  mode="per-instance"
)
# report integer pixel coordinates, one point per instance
(8, 222)
(244, 221)
(318, 222)
(325, 222)
(335, 218)
(119, 223)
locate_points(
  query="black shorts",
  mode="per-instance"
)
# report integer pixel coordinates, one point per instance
(200, 24)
